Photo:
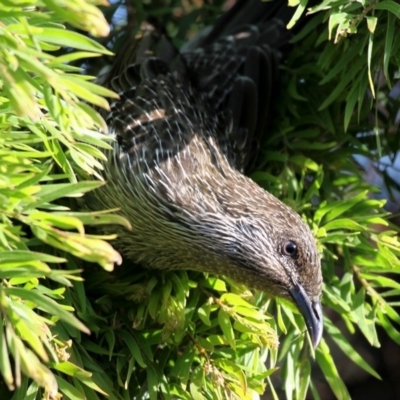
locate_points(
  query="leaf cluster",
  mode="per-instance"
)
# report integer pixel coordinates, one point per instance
(49, 132)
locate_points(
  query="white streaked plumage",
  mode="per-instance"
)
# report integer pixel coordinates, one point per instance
(184, 133)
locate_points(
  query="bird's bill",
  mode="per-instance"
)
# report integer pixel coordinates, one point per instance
(312, 313)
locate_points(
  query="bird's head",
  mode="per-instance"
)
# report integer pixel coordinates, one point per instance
(266, 245)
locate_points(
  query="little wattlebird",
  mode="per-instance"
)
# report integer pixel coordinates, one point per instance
(187, 126)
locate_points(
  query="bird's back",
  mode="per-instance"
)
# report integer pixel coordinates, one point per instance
(223, 86)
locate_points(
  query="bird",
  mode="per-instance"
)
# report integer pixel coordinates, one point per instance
(187, 128)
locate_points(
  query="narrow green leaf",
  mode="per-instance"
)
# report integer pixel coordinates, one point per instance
(23, 256)
(152, 383)
(48, 305)
(226, 326)
(393, 333)
(67, 38)
(369, 58)
(389, 5)
(5, 365)
(365, 325)
(347, 348)
(204, 313)
(343, 223)
(327, 365)
(388, 46)
(133, 347)
(68, 368)
(302, 4)
(68, 390)
(52, 192)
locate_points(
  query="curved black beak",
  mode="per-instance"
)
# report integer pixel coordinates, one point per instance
(312, 313)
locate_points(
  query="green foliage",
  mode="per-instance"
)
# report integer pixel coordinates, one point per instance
(180, 334)
(185, 334)
(48, 134)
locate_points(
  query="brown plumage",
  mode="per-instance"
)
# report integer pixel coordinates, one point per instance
(187, 126)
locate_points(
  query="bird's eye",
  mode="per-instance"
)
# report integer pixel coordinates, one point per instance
(290, 249)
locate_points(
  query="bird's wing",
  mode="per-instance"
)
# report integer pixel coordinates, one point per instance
(237, 66)
(238, 74)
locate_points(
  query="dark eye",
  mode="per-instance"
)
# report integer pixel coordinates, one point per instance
(289, 249)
